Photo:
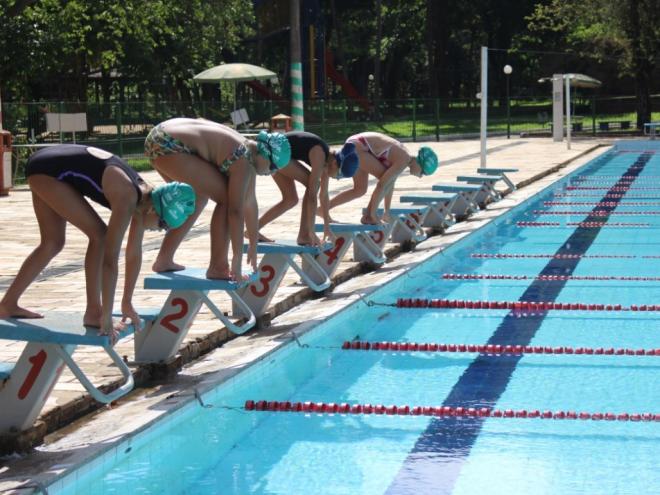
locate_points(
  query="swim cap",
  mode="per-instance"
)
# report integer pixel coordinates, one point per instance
(348, 160)
(428, 160)
(174, 202)
(274, 146)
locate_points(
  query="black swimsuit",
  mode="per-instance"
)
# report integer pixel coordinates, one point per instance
(75, 165)
(302, 142)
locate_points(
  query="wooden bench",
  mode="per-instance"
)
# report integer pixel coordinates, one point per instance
(605, 125)
(51, 342)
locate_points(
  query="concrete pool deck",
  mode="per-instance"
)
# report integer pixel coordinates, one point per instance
(540, 162)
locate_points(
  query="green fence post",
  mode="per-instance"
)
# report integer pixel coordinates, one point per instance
(593, 115)
(61, 111)
(414, 118)
(119, 139)
(323, 129)
(437, 119)
(345, 117)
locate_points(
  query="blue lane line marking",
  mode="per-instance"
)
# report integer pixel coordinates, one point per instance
(436, 460)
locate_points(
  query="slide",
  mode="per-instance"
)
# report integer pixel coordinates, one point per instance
(338, 78)
(264, 91)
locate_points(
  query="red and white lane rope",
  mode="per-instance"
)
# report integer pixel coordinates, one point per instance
(606, 196)
(596, 213)
(494, 349)
(623, 188)
(555, 256)
(621, 225)
(548, 278)
(439, 411)
(600, 203)
(622, 177)
(518, 306)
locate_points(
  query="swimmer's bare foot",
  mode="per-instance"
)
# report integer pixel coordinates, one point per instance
(263, 238)
(309, 240)
(92, 318)
(369, 220)
(17, 312)
(219, 274)
(166, 266)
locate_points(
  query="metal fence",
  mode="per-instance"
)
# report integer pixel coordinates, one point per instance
(122, 127)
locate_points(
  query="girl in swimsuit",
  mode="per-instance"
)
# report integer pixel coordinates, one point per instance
(312, 163)
(221, 165)
(59, 178)
(385, 158)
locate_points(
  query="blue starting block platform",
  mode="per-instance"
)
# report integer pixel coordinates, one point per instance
(502, 172)
(442, 209)
(405, 224)
(189, 289)
(367, 241)
(488, 192)
(51, 342)
(278, 258)
(467, 194)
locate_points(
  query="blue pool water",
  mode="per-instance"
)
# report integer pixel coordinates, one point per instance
(226, 450)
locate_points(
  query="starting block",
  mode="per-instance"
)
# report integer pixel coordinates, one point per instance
(368, 243)
(278, 257)
(502, 172)
(442, 210)
(406, 223)
(467, 194)
(51, 342)
(488, 192)
(189, 289)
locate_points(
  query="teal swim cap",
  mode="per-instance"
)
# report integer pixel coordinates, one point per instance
(174, 202)
(428, 160)
(274, 146)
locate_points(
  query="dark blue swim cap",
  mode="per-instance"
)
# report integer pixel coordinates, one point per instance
(348, 160)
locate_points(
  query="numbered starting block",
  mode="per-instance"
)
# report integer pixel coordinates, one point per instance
(189, 289)
(442, 209)
(488, 192)
(406, 223)
(278, 258)
(51, 341)
(502, 172)
(368, 241)
(467, 195)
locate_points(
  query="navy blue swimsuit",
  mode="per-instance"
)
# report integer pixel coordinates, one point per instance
(302, 142)
(75, 165)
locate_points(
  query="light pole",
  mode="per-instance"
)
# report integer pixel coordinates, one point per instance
(507, 71)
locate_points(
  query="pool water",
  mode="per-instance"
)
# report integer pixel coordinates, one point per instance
(224, 449)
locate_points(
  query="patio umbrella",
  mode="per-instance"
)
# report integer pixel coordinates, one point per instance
(234, 72)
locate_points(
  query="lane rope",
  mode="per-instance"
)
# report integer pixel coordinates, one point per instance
(518, 306)
(547, 278)
(494, 349)
(439, 411)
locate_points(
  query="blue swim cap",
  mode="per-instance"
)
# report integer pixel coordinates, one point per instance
(174, 202)
(275, 147)
(428, 160)
(348, 160)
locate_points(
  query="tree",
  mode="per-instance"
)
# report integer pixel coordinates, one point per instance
(623, 33)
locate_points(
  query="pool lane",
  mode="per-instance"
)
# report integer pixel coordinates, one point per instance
(435, 462)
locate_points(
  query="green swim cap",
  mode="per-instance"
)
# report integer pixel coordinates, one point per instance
(428, 160)
(274, 146)
(174, 202)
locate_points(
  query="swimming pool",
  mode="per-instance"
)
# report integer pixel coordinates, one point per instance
(226, 449)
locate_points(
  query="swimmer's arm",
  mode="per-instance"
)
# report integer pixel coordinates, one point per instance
(122, 198)
(317, 161)
(133, 265)
(241, 175)
(324, 198)
(252, 223)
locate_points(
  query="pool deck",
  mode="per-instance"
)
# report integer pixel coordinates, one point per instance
(208, 353)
